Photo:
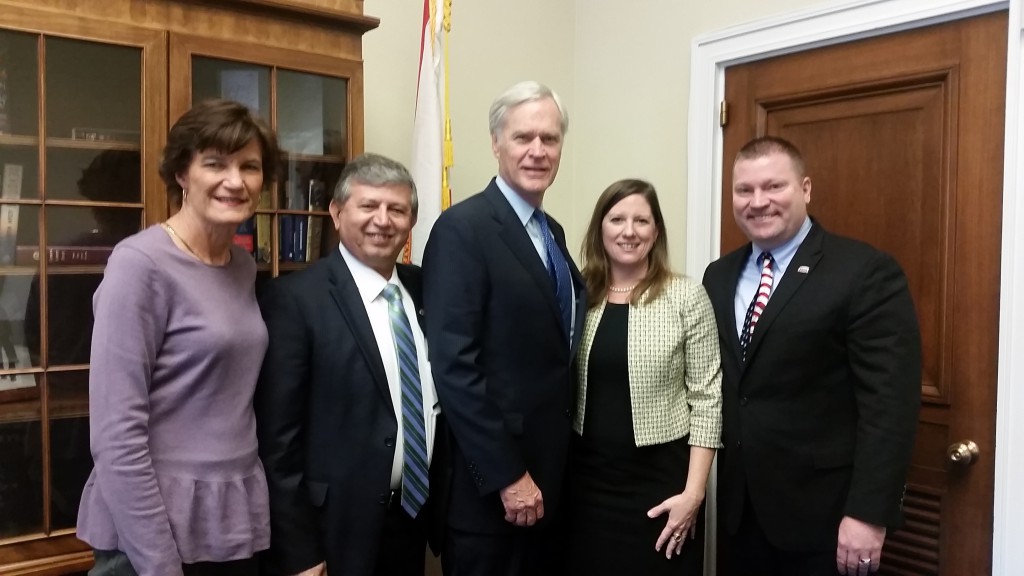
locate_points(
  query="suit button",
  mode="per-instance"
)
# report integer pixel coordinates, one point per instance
(739, 444)
(568, 414)
(743, 401)
(382, 499)
(389, 442)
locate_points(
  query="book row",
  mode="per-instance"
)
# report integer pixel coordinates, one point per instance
(299, 237)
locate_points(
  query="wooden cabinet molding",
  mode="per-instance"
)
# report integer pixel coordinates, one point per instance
(350, 16)
(301, 25)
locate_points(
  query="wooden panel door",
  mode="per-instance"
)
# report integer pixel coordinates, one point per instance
(903, 137)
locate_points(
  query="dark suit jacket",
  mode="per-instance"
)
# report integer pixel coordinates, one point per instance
(326, 424)
(500, 358)
(819, 423)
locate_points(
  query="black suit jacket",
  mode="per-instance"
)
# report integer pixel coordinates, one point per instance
(500, 358)
(819, 422)
(326, 424)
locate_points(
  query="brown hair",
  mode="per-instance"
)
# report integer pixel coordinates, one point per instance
(595, 258)
(222, 125)
(765, 145)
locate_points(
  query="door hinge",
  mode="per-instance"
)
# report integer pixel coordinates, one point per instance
(723, 114)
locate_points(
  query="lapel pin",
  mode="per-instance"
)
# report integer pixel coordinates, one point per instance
(803, 269)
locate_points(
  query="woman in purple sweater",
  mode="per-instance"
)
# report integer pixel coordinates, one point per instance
(178, 340)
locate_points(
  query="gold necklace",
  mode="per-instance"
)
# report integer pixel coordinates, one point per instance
(182, 240)
(625, 290)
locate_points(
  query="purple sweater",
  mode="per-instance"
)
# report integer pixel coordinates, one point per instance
(176, 349)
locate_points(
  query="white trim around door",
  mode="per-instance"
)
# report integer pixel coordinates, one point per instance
(836, 23)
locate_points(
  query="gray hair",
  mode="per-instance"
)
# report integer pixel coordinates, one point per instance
(374, 170)
(521, 93)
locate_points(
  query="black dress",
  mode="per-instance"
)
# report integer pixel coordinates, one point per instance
(613, 483)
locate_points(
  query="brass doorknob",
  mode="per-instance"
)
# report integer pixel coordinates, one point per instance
(963, 453)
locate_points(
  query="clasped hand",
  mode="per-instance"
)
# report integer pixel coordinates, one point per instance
(524, 504)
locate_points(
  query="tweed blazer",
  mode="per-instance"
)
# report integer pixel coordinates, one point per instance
(675, 372)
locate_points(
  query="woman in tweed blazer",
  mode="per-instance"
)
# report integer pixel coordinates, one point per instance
(648, 403)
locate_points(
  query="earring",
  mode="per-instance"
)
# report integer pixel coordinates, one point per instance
(184, 195)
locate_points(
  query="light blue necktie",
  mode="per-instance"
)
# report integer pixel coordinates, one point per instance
(414, 470)
(558, 269)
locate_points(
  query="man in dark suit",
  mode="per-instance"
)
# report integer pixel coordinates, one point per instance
(346, 410)
(506, 306)
(821, 382)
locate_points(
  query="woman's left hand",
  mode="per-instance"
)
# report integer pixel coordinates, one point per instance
(682, 521)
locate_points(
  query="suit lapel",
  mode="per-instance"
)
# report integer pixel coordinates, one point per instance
(723, 296)
(345, 294)
(514, 234)
(807, 255)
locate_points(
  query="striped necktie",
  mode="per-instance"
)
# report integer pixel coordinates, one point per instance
(764, 291)
(558, 269)
(414, 451)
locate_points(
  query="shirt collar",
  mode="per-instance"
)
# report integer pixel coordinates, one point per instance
(522, 208)
(783, 255)
(368, 281)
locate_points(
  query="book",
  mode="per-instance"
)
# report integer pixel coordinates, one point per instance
(63, 255)
(11, 190)
(314, 225)
(244, 235)
(263, 232)
(104, 134)
(300, 224)
(287, 247)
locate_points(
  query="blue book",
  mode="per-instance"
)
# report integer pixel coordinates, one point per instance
(287, 238)
(299, 227)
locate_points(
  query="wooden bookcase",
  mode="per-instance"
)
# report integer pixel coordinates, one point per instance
(87, 92)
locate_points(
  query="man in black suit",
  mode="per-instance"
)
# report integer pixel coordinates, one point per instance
(337, 406)
(820, 405)
(506, 306)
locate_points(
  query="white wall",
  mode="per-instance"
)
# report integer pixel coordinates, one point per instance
(494, 44)
(621, 68)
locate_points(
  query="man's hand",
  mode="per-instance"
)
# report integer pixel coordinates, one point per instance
(318, 570)
(524, 504)
(859, 541)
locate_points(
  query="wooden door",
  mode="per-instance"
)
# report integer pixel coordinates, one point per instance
(903, 138)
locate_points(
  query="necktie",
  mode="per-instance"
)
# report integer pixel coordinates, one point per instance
(558, 269)
(764, 291)
(414, 469)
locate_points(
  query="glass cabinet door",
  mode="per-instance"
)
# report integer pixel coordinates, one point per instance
(73, 149)
(309, 103)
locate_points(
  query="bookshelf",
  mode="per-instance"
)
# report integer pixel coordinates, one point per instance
(87, 92)
(312, 102)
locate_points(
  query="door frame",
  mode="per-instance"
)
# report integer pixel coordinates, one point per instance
(829, 24)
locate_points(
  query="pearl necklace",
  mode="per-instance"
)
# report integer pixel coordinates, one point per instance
(625, 290)
(182, 240)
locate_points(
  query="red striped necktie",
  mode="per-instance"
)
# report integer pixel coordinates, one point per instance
(764, 291)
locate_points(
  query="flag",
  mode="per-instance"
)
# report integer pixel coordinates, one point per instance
(431, 140)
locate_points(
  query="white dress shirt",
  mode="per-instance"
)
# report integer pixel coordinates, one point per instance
(525, 212)
(750, 276)
(371, 287)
